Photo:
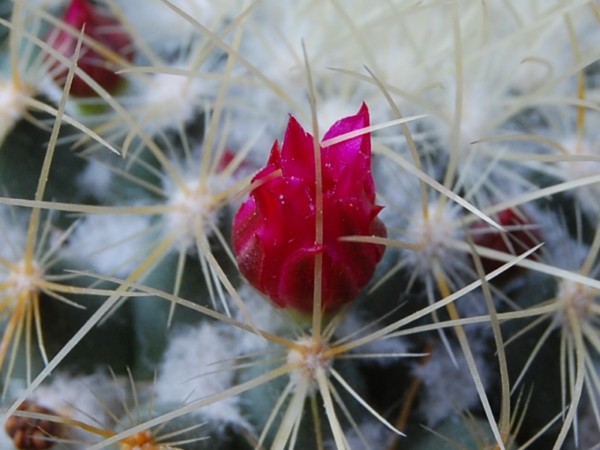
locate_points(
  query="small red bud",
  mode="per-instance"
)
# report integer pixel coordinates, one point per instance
(516, 240)
(274, 230)
(105, 30)
(242, 167)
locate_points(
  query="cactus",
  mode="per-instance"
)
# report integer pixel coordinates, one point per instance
(422, 274)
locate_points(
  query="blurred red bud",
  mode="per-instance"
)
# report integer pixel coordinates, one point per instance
(105, 30)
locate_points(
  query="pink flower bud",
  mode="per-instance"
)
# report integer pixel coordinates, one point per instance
(274, 231)
(102, 28)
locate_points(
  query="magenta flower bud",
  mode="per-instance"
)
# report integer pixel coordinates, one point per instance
(104, 29)
(274, 232)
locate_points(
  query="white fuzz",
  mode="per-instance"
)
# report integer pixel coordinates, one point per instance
(484, 109)
(432, 234)
(491, 79)
(113, 244)
(333, 109)
(96, 178)
(85, 398)
(410, 33)
(168, 101)
(193, 212)
(19, 278)
(10, 101)
(199, 362)
(392, 347)
(529, 54)
(278, 49)
(588, 196)
(577, 299)
(574, 170)
(373, 432)
(30, 77)
(13, 235)
(558, 250)
(173, 31)
(277, 34)
(11, 107)
(448, 387)
(265, 317)
(307, 361)
(22, 280)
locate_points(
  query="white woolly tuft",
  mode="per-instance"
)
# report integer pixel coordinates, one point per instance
(435, 232)
(198, 363)
(84, 398)
(193, 211)
(173, 31)
(391, 347)
(12, 235)
(449, 387)
(168, 101)
(113, 244)
(373, 432)
(12, 107)
(588, 196)
(265, 316)
(95, 178)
